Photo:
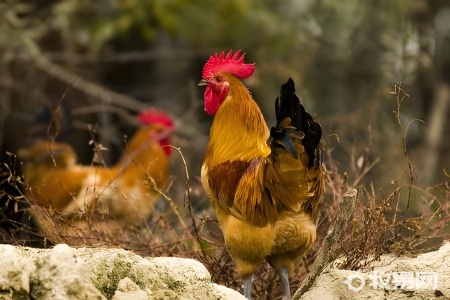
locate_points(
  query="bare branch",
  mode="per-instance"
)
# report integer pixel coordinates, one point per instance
(345, 212)
(87, 86)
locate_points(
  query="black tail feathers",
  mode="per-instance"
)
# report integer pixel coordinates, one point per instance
(294, 122)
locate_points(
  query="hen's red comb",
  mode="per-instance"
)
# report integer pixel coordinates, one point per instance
(154, 116)
(230, 63)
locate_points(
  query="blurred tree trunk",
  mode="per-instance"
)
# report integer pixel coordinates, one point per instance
(4, 111)
(434, 86)
(435, 133)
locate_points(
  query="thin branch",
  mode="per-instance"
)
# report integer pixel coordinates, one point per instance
(364, 171)
(187, 202)
(345, 212)
(88, 87)
(401, 95)
(175, 208)
(78, 82)
(94, 109)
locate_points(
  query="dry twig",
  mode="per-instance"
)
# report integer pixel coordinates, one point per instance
(345, 212)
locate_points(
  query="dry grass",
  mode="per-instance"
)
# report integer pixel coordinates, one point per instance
(383, 222)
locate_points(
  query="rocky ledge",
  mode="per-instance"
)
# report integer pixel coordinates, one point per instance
(426, 276)
(94, 273)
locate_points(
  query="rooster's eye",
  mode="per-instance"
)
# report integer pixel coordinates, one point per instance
(218, 79)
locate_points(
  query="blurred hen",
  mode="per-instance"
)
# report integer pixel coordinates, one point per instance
(124, 193)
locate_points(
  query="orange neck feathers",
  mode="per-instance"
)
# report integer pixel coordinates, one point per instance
(239, 131)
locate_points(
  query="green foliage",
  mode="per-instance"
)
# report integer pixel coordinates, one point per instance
(218, 24)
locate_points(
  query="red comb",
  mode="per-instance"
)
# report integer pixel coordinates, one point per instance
(154, 116)
(230, 63)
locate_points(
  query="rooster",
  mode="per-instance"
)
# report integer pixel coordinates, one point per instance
(124, 193)
(265, 186)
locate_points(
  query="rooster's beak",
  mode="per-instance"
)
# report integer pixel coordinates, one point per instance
(203, 82)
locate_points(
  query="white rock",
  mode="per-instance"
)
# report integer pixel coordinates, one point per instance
(227, 293)
(406, 272)
(92, 273)
(61, 275)
(127, 289)
(127, 285)
(14, 272)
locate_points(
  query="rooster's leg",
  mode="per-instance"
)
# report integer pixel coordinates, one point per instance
(248, 287)
(284, 278)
